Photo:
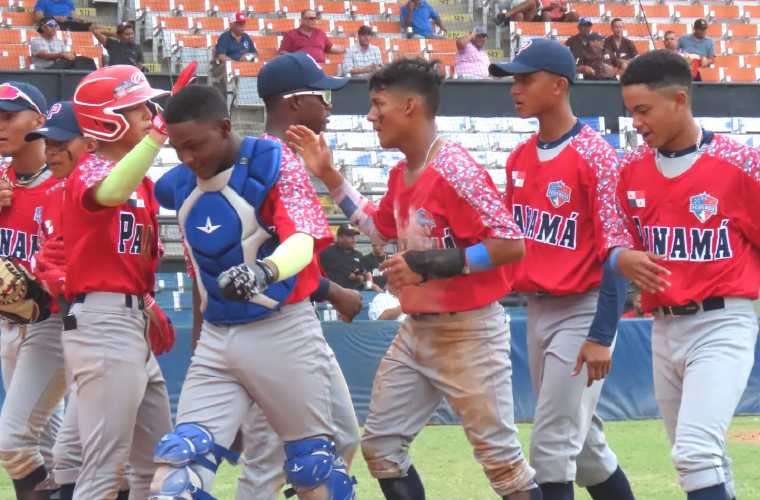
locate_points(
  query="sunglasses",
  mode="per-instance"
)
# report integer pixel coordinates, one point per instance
(11, 93)
(311, 18)
(326, 95)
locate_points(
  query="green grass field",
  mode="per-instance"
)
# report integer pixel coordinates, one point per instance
(444, 459)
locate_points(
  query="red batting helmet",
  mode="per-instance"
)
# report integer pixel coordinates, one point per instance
(102, 93)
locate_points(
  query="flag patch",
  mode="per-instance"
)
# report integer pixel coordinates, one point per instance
(636, 199)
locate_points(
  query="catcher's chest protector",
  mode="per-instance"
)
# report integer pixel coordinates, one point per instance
(219, 219)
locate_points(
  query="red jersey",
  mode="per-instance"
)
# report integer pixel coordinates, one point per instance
(108, 249)
(52, 211)
(20, 223)
(703, 221)
(452, 204)
(567, 208)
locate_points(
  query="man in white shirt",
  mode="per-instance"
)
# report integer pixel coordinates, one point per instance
(362, 59)
(385, 306)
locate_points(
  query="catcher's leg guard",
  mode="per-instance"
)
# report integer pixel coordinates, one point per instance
(189, 445)
(310, 463)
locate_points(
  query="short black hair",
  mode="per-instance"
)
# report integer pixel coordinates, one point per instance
(669, 32)
(615, 20)
(196, 103)
(658, 69)
(416, 75)
(124, 26)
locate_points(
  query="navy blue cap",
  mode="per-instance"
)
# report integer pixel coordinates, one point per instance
(585, 21)
(293, 72)
(539, 54)
(61, 124)
(18, 96)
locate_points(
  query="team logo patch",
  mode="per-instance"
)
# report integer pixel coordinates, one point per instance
(425, 220)
(636, 199)
(703, 206)
(38, 215)
(54, 110)
(558, 193)
(518, 179)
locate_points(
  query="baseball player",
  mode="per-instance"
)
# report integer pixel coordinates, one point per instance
(455, 237)
(690, 197)
(561, 189)
(32, 357)
(64, 145)
(111, 253)
(262, 476)
(252, 236)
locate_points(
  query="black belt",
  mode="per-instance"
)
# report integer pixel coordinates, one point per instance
(691, 308)
(418, 316)
(128, 300)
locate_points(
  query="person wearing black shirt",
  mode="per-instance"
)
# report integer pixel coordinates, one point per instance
(121, 46)
(341, 262)
(371, 267)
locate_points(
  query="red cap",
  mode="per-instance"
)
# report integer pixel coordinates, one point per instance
(240, 18)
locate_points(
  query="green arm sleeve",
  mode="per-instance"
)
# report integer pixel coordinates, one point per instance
(292, 255)
(127, 174)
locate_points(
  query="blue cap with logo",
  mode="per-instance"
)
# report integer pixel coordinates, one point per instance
(61, 124)
(293, 72)
(539, 54)
(20, 96)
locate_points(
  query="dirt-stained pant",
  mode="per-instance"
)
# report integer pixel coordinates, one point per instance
(122, 402)
(281, 363)
(34, 381)
(702, 364)
(567, 442)
(463, 357)
(262, 476)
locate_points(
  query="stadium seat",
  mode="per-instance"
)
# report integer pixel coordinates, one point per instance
(679, 29)
(729, 61)
(752, 61)
(9, 36)
(186, 6)
(751, 11)
(347, 26)
(658, 11)
(12, 63)
(412, 46)
(530, 29)
(595, 9)
(724, 12)
(225, 7)
(387, 26)
(444, 45)
(742, 47)
(691, 11)
(153, 5)
(19, 50)
(282, 25)
(744, 75)
(332, 7)
(206, 24)
(175, 23)
(643, 45)
(18, 18)
(261, 6)
(246, 68)
(736, 30)
(563, 29)
(365, 9)
(295, 6)
(79, 38)
(194, 41)
(638, 30)
(621, 10)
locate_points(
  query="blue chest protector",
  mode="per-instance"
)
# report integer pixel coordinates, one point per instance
(220, 222)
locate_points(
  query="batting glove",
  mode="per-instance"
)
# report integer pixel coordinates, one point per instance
(160, 331)
(244, 282)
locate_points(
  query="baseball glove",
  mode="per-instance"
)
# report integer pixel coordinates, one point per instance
(22, 298)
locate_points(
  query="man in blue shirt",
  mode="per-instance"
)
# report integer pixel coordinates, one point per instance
(235, 44)
(62, 11)
(698, 44)
(417, 15)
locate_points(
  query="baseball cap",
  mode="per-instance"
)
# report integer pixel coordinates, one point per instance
(585, 21)
(18, 96)
(240, 18)
(292, 72)
(61, 124)
(539, 54)
(347, 230)
(700, 24)
(480, 30)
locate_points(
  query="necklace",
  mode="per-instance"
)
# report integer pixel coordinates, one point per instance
(430, 150)
(26, 180)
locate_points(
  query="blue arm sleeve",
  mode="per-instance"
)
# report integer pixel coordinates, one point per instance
(612, 294)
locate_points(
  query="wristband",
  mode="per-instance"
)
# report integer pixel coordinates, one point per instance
(436, 264)
(478, 259)
(613, 258)
(320, 294)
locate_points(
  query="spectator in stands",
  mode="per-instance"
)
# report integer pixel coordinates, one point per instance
(62, 11)
(557, 11)
(698, 45)
(310, 39)
(593, 64)
(517, 10)
(472, 58)
(417, 18)
(121, 45)
(362, 59)
(385, 307)
(618, 49)
(579, 43)
(235, 44)
(49, 52)
(370, 264)
(670, 41)
(341, 262)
